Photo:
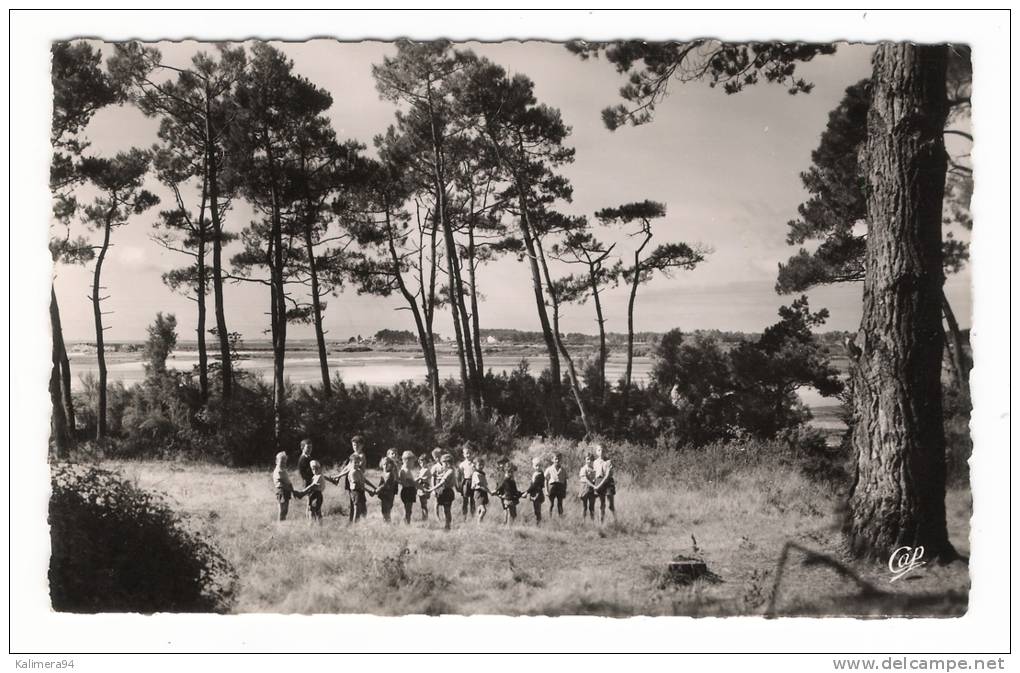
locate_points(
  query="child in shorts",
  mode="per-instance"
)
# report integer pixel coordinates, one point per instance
(588, 476)
(446, 488)
(434, 471)
(556, 484)
(424, 482)
(281, 481)
(508, 493)
(408, 485)
(358, 487)
(536, 489)
(387, 488)
(314, 491)
(479, 488)
(466, 469)
(605, 484)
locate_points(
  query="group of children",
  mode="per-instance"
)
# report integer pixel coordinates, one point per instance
(437, 477)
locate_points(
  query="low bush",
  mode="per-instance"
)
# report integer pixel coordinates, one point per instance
(116, 548)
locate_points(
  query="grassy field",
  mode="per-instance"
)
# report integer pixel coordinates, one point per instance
(737, 520)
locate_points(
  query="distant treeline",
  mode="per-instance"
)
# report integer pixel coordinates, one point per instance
(515, 336)
(503, 336)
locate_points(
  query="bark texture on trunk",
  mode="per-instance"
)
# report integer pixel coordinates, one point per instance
(898, 494)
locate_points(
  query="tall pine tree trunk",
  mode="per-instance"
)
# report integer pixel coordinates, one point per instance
(65, 387)
(97, 314)
(202, 289)
(279, 304)
(428, 310)
(898, 494)
(320, 335)
(65, 365)
(203, 352)
(630, 332)
(60, 431)
(575, 384)
(212, 170)
(536, 273)
(602, 336)
(543, 315)
(453, 274)
(428, 347)
(465, 326)
(476, 334)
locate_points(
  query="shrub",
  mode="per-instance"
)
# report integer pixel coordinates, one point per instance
(116, 548)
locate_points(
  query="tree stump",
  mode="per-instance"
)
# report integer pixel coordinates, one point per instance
(685, 569)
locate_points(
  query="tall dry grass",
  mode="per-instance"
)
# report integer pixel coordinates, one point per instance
(732, 505)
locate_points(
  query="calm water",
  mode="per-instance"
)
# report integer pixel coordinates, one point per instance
(374, 369)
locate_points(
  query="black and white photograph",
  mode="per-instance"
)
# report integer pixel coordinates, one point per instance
(514, 327)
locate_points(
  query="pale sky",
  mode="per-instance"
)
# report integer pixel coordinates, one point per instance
(725, 166)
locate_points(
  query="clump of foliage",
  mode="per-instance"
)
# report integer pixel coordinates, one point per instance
(750, 389)
(117, 548)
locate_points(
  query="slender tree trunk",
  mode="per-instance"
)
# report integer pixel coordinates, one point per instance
(320, 336)
(428, 315)
(64, 363)
(279, 304)
(58, 421)
(476, 334)
(65, 379)
(461, 349)
(465, 326)
(429, 311)
(201, 290)
(635, 281)
(536, 273)
(955, 343)
(428, 348)
(203, 352)
(898, 493)
(59, 429)
(97, 314)
(575, 385)
(602, 336)
(456, 289)
(536, 281)
(630, 331)
(212, 168)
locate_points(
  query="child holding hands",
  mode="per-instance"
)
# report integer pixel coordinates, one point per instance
(536, 489)
(588, 476)
(408, 485)
(358, 487)
(508, 493)
(446, 485)
(479, 488)
(314, 491)
(281, 481)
